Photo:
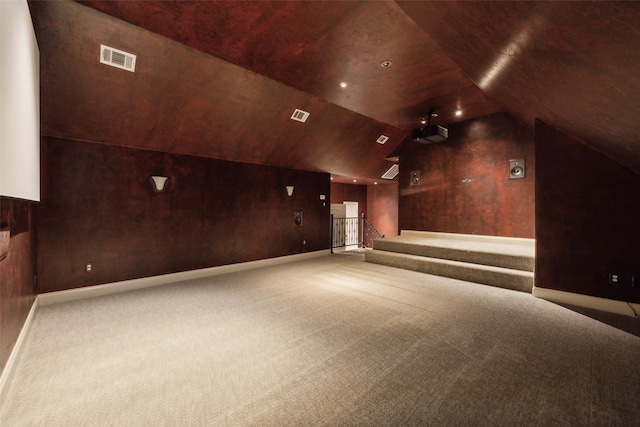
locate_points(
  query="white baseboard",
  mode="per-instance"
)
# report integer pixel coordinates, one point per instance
(128, 285)
(587, 301)
(9, 369)
(470, 237)
(145, 282)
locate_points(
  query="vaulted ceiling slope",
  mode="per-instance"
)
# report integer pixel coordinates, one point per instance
(575, 65)
(221, 79)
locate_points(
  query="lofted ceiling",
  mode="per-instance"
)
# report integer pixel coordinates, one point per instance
(221, 79)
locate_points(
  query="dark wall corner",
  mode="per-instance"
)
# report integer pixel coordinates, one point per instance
(587, 210)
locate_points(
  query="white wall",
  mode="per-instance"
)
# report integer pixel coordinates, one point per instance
(19, 103)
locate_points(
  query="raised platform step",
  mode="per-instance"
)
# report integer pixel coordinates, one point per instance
(497, 254)
(497, 261)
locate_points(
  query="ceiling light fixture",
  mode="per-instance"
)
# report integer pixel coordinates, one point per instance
(344, 85)
(385, 64)
(430, 113)
(458, 113)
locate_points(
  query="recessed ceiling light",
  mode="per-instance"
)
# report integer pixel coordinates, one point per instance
(385, 64)
(458, 113)
(355, 180)
(344, 85)
(375, 182)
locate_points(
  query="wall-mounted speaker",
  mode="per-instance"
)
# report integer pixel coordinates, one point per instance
(415, 178)
(297, 218)
(516, 169)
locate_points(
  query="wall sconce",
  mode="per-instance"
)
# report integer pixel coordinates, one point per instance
(159, 183)
(289, 190)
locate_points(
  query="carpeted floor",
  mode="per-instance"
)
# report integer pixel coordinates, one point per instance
(333, 341)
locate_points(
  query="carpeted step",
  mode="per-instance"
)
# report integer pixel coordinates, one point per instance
(517, 257)
(485, 274)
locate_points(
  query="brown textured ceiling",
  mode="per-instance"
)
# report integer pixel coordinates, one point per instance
(220, 79)
(313, 46)
(574, 65)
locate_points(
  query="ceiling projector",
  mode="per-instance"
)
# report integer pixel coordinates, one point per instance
(429, 134)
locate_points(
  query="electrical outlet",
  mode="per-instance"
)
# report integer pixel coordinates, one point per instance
(615, 279)
(88, 268)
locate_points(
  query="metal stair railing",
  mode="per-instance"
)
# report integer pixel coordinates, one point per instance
(352, 231)
(369, 233)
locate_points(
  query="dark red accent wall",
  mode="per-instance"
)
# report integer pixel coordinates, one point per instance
(587, 210)
(98, 207)
(383, 208)
(350, 193)
(17, 270)
(464, 181)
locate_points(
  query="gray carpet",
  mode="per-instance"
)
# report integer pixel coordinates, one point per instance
(333, 341)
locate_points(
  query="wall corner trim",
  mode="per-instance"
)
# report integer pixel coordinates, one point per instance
(145, 282)
(603, 304)
(12, 362)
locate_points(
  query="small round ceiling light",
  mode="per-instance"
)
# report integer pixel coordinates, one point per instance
(423, 121)
(343, 85)
(458, 113)
(385, 64)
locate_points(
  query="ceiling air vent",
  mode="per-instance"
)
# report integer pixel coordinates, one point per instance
(392, 172)
(117, 58)
(300, 115)
(382, 139)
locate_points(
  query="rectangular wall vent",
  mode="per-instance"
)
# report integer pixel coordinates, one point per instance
(300, 115)
(392, 172)
(382, 139)
(117, 58)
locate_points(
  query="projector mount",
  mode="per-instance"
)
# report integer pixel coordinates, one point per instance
(428, 134)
